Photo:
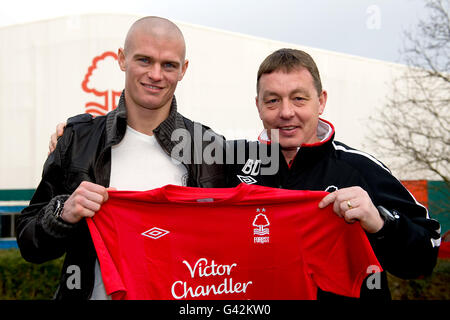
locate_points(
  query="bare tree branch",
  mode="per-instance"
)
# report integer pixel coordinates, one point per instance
(413, 128)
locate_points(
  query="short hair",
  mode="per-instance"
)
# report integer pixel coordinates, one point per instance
(155, 25)
(287, 60)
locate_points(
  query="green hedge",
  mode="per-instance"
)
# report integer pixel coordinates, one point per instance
(434, 287)
(21, 280)
(25, 281)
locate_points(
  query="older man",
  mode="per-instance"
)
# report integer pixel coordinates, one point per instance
(290, 100)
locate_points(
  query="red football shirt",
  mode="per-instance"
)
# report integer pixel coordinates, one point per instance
(248, 242)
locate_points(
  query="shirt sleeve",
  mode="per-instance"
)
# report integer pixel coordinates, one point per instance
(114, 285)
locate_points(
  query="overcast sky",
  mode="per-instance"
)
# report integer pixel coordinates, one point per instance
(368, 28)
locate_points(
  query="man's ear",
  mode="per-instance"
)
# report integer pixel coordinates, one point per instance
(121, 59)
(322, 101)
(183, 69)
(257, 106)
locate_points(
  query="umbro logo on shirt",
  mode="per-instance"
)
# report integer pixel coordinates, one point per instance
(155, 233)
(247, 179)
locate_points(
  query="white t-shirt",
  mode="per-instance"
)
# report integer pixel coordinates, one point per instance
(138, 163)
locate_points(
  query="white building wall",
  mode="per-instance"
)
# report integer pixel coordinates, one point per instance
(43, 65)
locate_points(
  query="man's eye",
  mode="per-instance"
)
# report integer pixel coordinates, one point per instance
(144, 60)
(299, 98)
(169, 65)
(271, 101)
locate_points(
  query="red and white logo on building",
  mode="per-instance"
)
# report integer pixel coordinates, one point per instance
(105, 81)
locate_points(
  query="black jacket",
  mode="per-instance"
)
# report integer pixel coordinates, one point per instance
(406, 246)
(83, 153)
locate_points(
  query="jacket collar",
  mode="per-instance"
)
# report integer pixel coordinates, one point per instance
(116, 123)
(307, 153)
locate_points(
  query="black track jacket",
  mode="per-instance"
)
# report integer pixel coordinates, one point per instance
(406, 246)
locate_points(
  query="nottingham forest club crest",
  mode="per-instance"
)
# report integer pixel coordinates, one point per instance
(261, 232)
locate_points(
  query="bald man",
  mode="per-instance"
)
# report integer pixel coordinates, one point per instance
(127, 149)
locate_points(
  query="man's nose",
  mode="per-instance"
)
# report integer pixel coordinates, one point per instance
(154, 72)
(286, 110)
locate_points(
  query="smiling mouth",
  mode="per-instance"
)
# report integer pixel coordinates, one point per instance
(148, 86)
(287, 131)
